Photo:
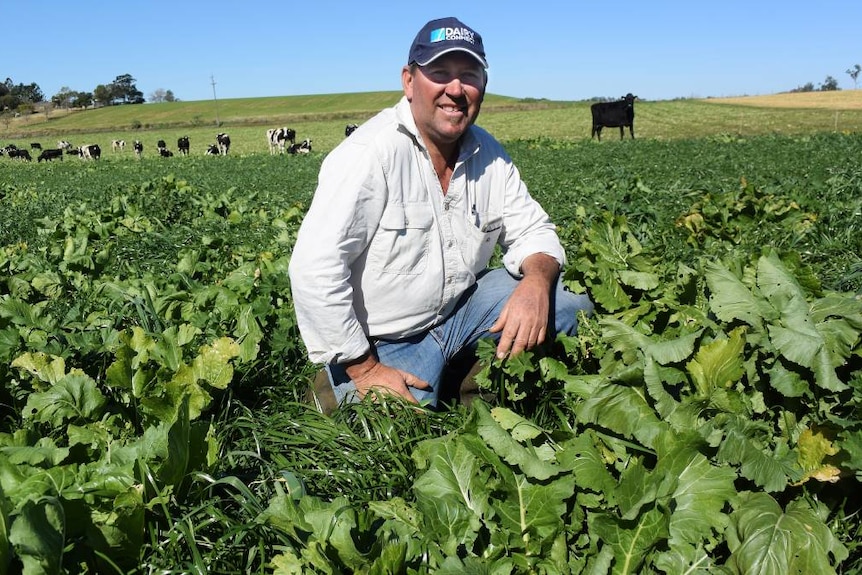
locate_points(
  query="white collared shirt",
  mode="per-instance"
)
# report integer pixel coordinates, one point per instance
(383, 253)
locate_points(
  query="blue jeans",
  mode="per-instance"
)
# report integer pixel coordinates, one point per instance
(426, 355)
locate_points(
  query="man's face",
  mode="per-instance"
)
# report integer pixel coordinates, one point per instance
(445, 96)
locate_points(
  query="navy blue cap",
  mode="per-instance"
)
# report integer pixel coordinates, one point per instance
(446, 35)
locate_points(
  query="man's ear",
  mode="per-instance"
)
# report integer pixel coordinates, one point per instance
(407, 82)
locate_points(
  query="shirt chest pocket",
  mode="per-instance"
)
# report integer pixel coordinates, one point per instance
(481, 239)
(403, 239)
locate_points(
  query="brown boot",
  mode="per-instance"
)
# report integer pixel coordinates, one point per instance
(320, 394)
(469, 389)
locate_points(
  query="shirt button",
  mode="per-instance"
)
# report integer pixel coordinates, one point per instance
(449, 280)
(446, 206)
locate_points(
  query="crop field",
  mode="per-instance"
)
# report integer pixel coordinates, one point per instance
(706, 419)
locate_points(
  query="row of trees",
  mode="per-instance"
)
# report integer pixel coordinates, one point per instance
(18, 97)
(121, 91)
(831, 84)
(12, 95)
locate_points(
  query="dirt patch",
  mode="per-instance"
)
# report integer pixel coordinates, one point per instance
(836, 100)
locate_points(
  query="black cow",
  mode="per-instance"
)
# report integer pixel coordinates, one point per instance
(619, 114)
(22, 154)
(183, 145)
(349, 129)
(161, 144)
(49, 155)
(35, 146)
(139, 148)
(212, 150)
(223, 143)
(165, 153)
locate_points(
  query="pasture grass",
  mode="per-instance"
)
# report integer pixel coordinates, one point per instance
(322, 119)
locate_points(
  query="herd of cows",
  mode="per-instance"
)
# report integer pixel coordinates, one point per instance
(280, 140)
(617, 114)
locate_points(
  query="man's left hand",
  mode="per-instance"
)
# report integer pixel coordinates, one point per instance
(523, 322)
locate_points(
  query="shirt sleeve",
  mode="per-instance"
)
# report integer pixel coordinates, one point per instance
(338, 226)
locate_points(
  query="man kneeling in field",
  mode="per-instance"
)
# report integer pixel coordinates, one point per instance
(390, 273)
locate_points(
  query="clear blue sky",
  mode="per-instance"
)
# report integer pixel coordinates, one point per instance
(559, 49)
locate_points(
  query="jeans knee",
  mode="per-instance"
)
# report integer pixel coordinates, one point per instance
(568, 305)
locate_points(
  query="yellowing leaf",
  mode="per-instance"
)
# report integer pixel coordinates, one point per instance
(719, 364)
(213, 363)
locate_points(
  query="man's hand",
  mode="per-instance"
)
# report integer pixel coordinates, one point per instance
(367, 373)
(523, 322)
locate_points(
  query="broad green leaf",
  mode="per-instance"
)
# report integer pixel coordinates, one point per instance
(522, 429)
(685, 559)
(74, 398)
(630, 541)
(624, 410)
(581, 455)
(451, 471)
(37, 536)
(788, 383)
(799, 346)
(5, 525)
(685, 481)
(45, 451)
(624, 339)
(528, 459)
(533, 512)
(824, 372)
(175, 463)
(701, 493)
(643, 281)
(731, 300)
(407, 520)
(669, 351)
(766, 469)
(766, 540)
(47, 368)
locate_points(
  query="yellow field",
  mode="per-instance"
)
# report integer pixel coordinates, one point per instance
(836, 100)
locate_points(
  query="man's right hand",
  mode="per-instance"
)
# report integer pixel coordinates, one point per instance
(367, 373)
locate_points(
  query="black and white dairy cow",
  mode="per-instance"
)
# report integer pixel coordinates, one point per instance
(223, 143)
(64, 145)
(303, 147)
(183, 145)
(139, 148)
(118, 145)
(277, 137)
(212, 150)
(349, 129)
(166, 153)
(614, 114)
(90, 152)
(50, 155)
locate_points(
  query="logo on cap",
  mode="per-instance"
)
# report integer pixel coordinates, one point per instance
(444, 34)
